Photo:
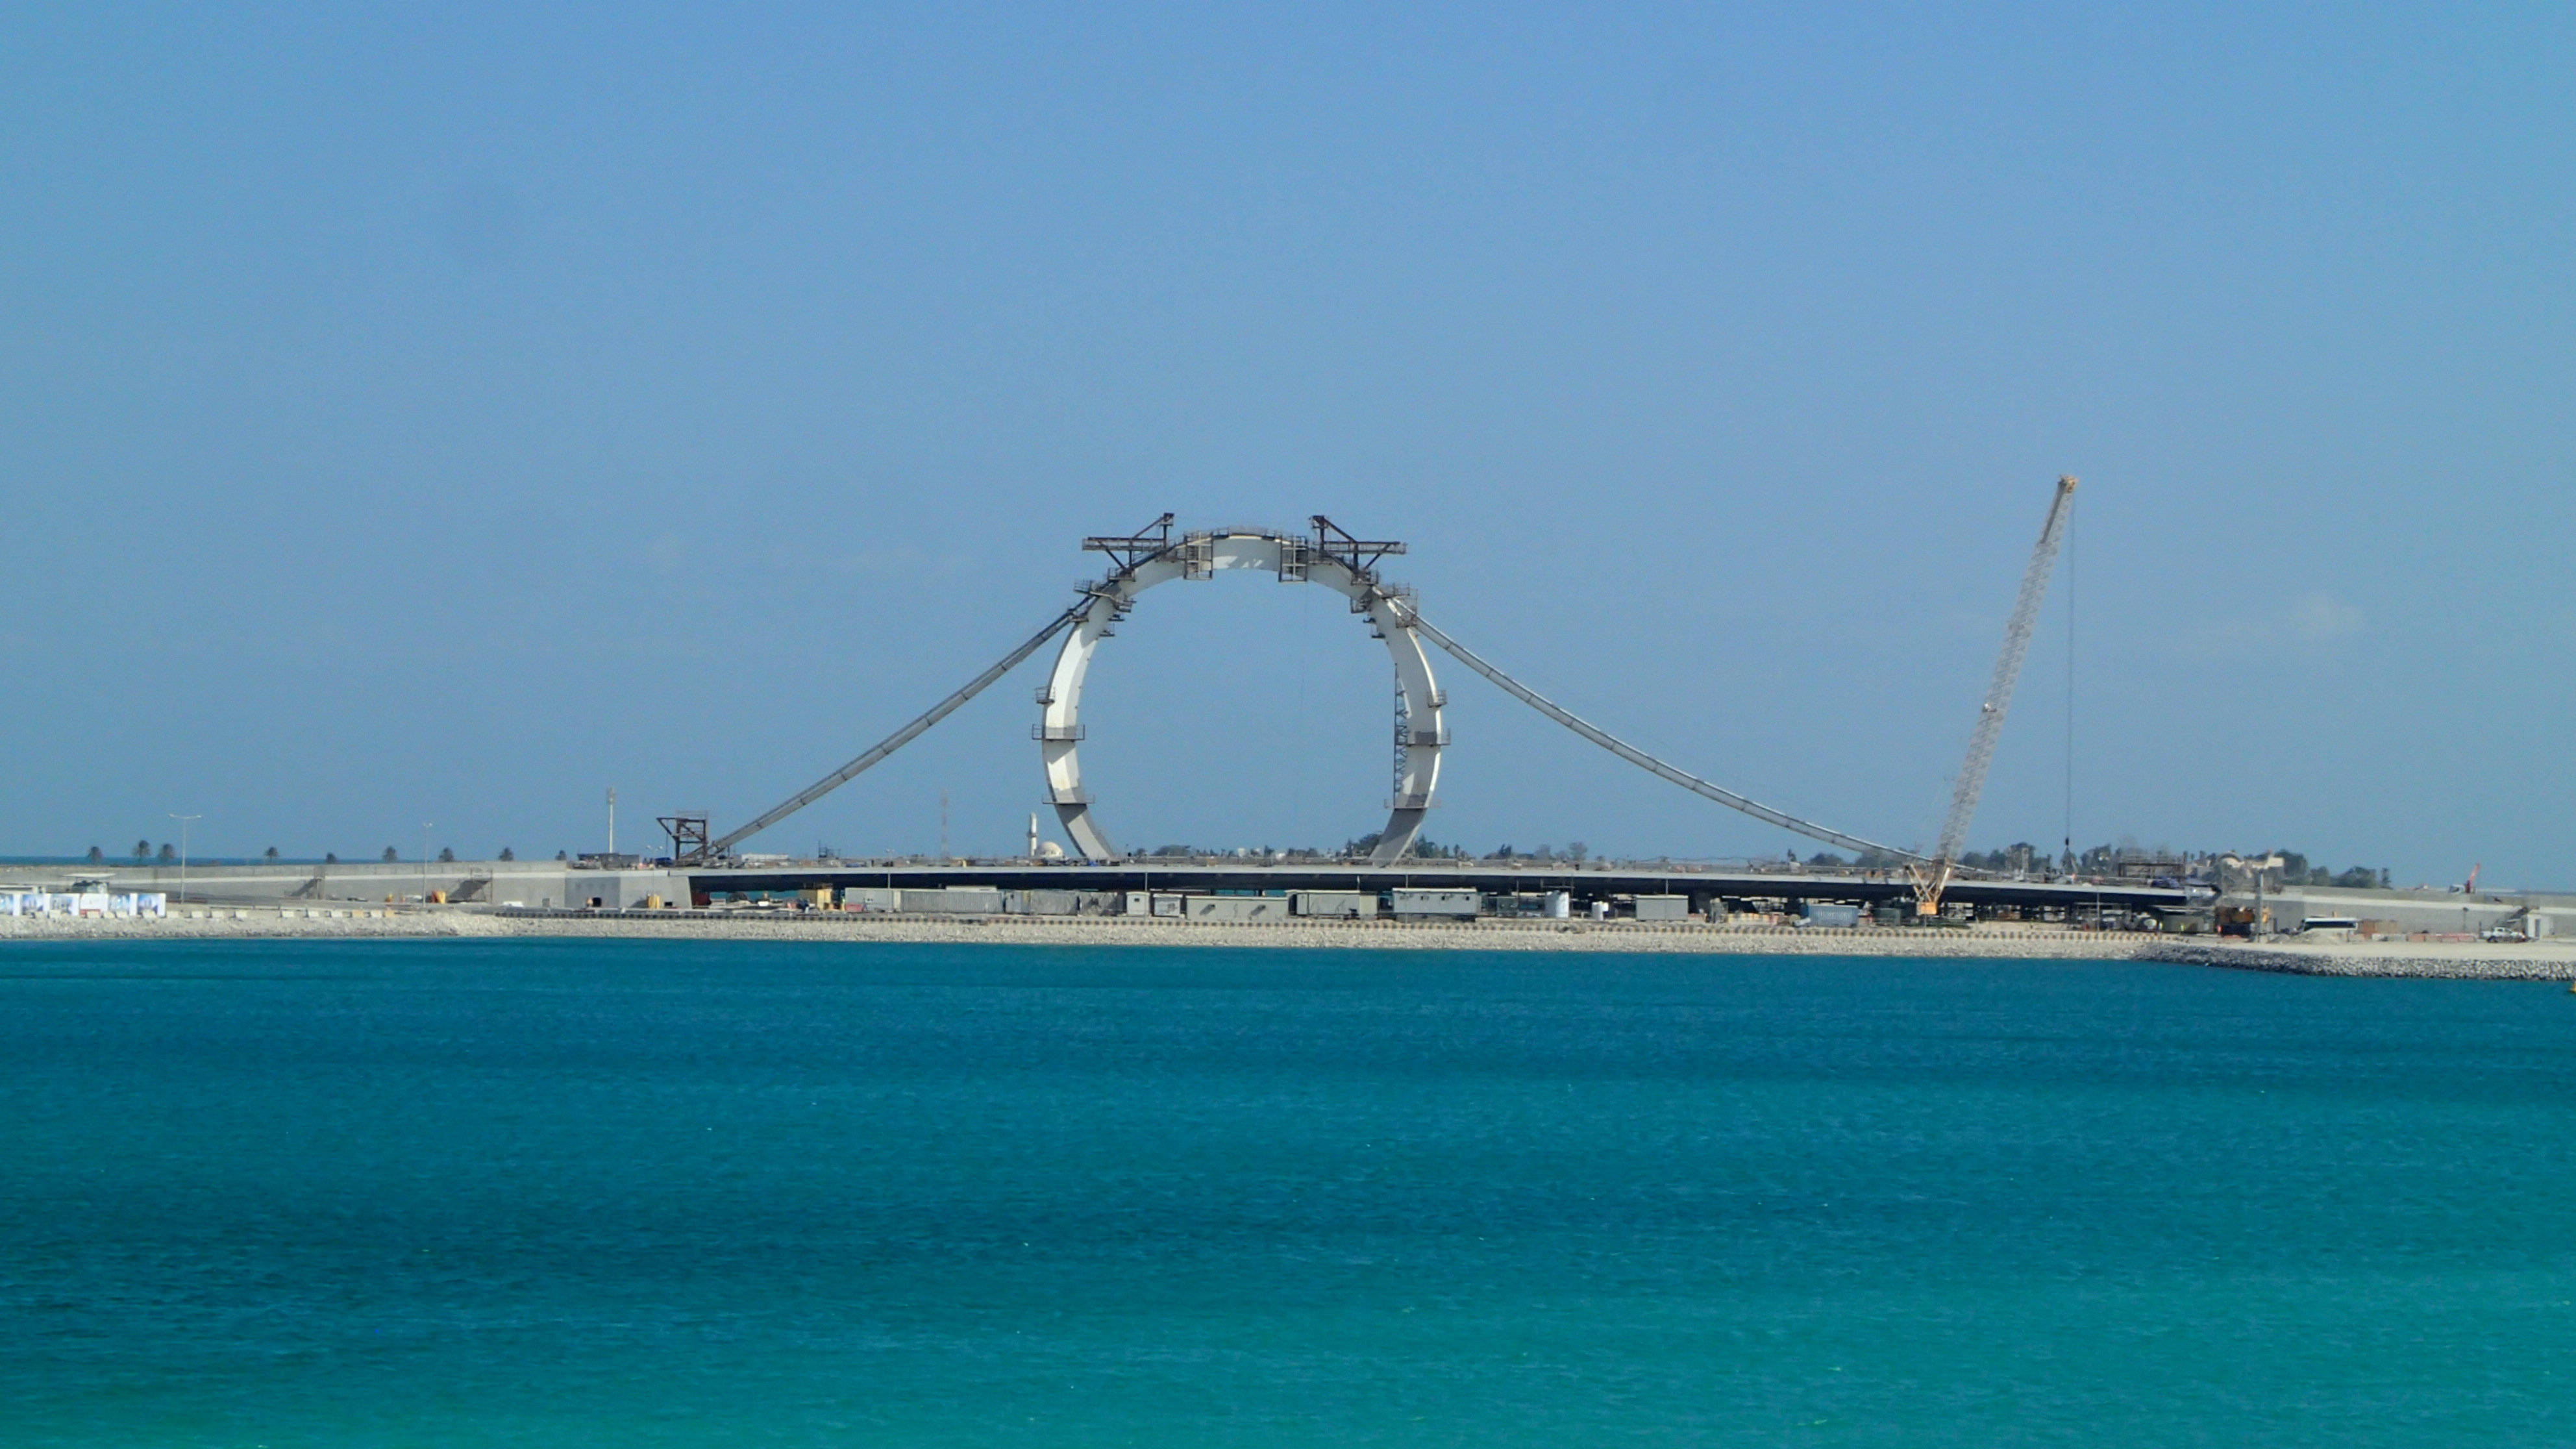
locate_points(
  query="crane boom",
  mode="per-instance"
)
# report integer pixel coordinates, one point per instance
(1990, 714)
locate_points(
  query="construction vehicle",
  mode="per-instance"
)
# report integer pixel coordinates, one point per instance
(1932, 877)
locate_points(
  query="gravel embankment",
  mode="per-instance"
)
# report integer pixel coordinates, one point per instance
(1096, 932)
(2547, 961)
(1626, 936)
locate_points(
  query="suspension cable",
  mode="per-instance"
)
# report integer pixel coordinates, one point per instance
(1640, 758)
(899, 738)
(1513, 687)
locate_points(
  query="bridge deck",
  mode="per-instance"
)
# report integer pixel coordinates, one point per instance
(1491, 877)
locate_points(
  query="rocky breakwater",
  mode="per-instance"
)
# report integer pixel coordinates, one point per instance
(2454, 960)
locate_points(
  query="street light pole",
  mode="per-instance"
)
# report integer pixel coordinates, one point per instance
(183, 851)
(425, 828)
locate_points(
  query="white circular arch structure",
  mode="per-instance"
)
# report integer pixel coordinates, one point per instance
(1329, 557)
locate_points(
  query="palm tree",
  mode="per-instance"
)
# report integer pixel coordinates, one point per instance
(142, 851)
(272, 855)
(392, 855)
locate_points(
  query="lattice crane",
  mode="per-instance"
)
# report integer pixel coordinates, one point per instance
(1933, 877)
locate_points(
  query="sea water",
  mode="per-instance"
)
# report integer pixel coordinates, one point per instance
(634, 1193)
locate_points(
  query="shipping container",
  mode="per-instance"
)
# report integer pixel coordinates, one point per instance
(1334, 905)
(1238, 908)
(955, 901)
(1454, 904)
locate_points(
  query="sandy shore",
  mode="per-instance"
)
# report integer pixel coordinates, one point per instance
(2547, 961)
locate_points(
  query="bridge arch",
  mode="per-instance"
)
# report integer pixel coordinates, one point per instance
(1328, 557)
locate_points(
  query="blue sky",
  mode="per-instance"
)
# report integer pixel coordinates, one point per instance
(444, 413)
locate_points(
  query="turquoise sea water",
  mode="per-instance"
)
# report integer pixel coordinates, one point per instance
(543, 1193)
